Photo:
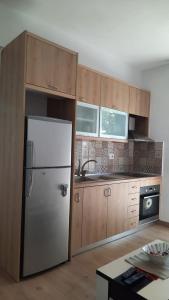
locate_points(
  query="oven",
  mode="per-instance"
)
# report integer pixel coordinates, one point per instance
(149, 203)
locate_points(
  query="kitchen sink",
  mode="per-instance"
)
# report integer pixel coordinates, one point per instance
(83, 179)
(98, 177)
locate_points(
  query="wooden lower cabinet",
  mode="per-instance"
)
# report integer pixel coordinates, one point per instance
(94, 215)
(76, 237)
(117, 209)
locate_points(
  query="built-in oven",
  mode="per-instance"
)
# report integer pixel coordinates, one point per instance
(149, 203)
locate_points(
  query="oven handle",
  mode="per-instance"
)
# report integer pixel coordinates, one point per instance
(151, 196)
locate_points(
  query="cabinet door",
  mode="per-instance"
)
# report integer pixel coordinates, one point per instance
(117, 209)
(94, 215)
(51, 67)
(88, 86)
(76, 237)
(87, 119)
(113, 123)
(139, 102)
(114, 94)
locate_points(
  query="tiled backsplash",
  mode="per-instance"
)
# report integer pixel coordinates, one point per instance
(148, 157)
(128, 157)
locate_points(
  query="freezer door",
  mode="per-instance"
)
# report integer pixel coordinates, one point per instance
(46, 224)
(48, 143)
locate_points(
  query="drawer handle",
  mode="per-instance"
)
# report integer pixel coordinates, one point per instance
(77, 198)
(134, 187)
(133, 210)
(133, 199)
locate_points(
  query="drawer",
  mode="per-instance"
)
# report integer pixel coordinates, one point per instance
(152, 181)
(133, 211)
(134, 187)
(133, 199)
(133, 222)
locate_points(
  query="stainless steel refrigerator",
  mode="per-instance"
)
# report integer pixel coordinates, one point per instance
(46, 202)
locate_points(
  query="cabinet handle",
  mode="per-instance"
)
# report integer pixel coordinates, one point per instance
(77, 198)
(133, 210)
(106, 192)
(133, 199)
(134, 187)
(109, 191)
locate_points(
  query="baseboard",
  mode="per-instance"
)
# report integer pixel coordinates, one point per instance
(115, 237)
(164, 223)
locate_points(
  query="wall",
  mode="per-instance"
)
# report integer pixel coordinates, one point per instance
(139, 157)
(157, 80)
(13, 22)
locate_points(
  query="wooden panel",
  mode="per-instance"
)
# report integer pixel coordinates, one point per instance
(117, 209)
(133, 222)
(12, 109)
(133, 211)
(88, 85)
(150, 181)
(134, 187)
(133, 199)
(94, 215)
(50, 66)
(114, 94)
(139, 102)
(76, 236)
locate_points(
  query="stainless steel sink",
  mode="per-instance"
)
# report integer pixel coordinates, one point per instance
(83, 179)
(96, 177)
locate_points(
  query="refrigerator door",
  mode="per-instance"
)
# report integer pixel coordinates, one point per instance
(46, 224)
(48, 143)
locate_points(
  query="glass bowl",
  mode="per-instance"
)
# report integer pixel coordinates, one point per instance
(157, 252)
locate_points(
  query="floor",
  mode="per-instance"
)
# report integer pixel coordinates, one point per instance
(76, 280)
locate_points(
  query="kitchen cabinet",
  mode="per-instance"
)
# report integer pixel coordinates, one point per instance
(114, 94)
(76, 237)
(87, 119)
(113, 123)
(94, 214)
(139, 102)
(88, 85)
(50, 66)
(117, 209)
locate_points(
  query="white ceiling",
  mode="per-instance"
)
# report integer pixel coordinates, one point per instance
(135, 30)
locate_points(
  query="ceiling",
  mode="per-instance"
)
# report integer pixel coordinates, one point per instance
(135, 30)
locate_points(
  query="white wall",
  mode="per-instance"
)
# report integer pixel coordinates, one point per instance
(13, 22)
(157, 81)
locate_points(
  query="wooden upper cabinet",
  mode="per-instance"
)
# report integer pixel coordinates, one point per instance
(117, 209)
(139, 102)
(50, 66)
(76, 237)
(88, 85)
(94, 215)
(114, 94)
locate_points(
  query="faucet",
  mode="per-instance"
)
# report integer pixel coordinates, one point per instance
(83, 172)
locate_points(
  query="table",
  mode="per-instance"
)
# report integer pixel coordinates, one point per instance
(107, 288)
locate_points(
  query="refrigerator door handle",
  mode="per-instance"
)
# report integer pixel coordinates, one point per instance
(30, 154)
(64, 189)
(29, 184)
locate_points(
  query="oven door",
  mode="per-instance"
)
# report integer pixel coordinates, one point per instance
(149, 206)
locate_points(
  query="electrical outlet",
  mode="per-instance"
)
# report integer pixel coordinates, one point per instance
(111, 155)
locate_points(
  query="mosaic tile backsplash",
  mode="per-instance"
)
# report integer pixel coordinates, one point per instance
(128, 157)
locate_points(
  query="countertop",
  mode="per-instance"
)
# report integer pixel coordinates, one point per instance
(119, 179)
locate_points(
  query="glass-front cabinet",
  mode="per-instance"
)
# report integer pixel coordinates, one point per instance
(87, 119)
(113, 123)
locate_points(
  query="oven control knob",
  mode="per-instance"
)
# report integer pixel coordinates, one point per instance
(146, 190)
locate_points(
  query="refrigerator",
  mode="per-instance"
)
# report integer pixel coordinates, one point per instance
(46, 201)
